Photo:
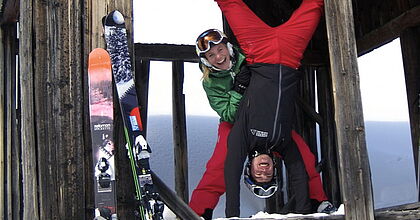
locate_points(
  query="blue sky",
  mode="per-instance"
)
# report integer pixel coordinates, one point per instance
(381, 71)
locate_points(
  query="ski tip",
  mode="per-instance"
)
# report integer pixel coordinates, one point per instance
(99, 56)
(115, 18)
(118, 17)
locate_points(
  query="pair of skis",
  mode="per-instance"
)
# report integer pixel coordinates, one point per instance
(101, 64)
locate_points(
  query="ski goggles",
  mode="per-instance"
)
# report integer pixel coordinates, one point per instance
(260, 191)
(210, 36)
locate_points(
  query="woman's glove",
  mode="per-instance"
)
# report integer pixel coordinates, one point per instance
(242, 80)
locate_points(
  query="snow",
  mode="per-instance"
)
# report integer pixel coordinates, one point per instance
(169, 215)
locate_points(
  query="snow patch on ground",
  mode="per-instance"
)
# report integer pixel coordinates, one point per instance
(265, 215)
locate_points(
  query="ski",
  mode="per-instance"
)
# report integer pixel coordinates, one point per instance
(150, 206)
(101, 129)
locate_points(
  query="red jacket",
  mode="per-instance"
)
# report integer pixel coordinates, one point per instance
(261, 43)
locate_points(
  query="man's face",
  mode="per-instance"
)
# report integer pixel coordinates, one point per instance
(219, 56)
(262, 168)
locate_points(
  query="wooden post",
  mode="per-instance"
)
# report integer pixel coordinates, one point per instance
(308, 131)
(13, 139)
(53, 131)
(328, 136)
(2, 125)
(142, 85)
(411, 53)
(179, 129)
(31, 209)
(354, 170)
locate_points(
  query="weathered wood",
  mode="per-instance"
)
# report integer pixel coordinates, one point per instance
(95, 9)
(142, 85)
(9, 122)
(172, 52)
(409, 206)
(10, 11)
(308, 131)
(179, 131)
(389, 31)
(328, 136)
(309, 110)
(354, 171)
(13, 150)
(10, 138)
(57, 72)
(398, 215)
(2, 126)
(166, 52)
(410, 48)
(28, 131)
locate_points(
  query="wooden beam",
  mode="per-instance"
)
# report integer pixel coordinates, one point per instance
(314, 58)
(328, 136)
(172, 52)
(354, 170)
(179, 131)
(57, 66)
(410, 48)
(12, 129)
(172, 201)
(142, 85)
(28, 126)
(389, 31)
(166, 52)
(10, 11)
(409, 206)
(309, 110)
(2, 126)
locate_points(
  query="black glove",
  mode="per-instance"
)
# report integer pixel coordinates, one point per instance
(242, 80)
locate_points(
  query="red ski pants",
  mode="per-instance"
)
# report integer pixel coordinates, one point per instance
(212, 185)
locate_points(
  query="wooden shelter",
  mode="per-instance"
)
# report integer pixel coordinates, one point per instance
(45, 167)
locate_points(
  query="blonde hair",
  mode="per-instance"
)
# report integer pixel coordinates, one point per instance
(206, 72)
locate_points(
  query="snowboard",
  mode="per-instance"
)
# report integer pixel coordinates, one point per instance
(101, 129)
(149, 203)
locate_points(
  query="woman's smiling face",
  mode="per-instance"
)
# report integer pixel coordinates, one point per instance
(219, 56)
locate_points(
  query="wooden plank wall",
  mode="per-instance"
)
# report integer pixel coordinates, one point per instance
(2, 126)
(13, 175)
(55, 142)
(53, 129)
(354, 171)
(370, 15)
(10, 174)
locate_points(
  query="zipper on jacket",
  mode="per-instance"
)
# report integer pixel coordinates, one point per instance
(277, 113)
